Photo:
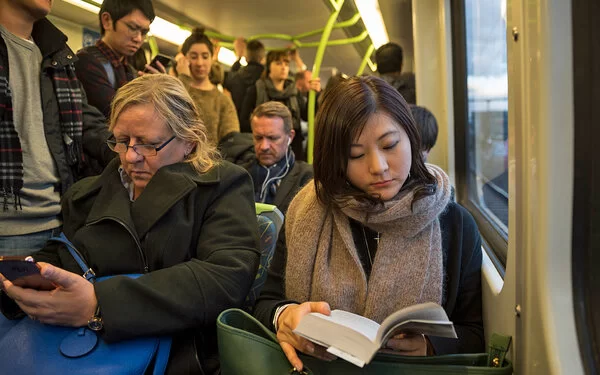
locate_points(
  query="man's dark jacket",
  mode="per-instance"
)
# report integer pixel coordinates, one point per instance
(239, 82)
(404, 83)
(57, 55)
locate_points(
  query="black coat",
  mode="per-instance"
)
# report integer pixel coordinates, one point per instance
(239, 81)
(195, 238)
(57, 56)
(461, 246)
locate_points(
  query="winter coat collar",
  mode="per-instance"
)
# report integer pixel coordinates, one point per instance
(48, 38)
(167, 187)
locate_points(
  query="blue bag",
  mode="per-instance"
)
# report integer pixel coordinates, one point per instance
(30, 347)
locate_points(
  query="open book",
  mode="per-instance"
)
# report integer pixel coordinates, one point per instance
(356, 338)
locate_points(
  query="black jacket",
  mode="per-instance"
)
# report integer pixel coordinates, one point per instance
(404, 83)
(57, 55)
(291, 184)
(461, 245)
(238, 82)
(193, 236)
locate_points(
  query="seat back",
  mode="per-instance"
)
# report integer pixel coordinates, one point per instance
(270, 221)
(272, 212)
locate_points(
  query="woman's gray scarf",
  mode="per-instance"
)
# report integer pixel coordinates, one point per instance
(323, 263)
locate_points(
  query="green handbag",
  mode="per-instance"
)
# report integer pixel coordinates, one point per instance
(248, 347)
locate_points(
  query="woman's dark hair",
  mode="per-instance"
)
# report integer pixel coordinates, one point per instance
(197, 36)
(333, 81)
(275, 55)
(345, 110)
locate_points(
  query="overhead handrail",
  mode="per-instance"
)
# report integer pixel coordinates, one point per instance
(227, 41)
(340, 25)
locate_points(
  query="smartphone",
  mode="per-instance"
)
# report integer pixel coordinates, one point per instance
(164, 60)
(15, 267)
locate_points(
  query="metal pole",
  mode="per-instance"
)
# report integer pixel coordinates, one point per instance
(366, 58)
(337, 6)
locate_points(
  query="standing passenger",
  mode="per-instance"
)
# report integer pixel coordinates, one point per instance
(193, 69)
(103, 68)
(45, 125)
(389, 66)
(376, 232)
(276, 85)
(238, 82)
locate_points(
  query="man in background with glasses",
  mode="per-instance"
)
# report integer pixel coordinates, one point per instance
(104, 67)
(45, 126)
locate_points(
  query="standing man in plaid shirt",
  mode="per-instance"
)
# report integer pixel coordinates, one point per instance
(103, 68)
(45, 125)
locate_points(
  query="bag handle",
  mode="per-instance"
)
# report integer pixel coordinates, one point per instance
(88, 273)
(498, 348)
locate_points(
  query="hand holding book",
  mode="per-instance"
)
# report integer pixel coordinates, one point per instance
(290, 342)
(357, 339)
(406, 344)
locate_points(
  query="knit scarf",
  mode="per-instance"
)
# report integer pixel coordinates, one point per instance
(266, 91)
(267, 179)
(323, 263)
(69, 98)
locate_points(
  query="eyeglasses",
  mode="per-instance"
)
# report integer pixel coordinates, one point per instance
(143, 150)
(133, 30)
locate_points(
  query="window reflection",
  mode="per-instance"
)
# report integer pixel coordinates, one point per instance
(487, 82)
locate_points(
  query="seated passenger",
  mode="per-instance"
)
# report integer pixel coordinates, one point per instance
(376, 232)
(167, 208)
(428, 128)
(276, 85)
(193, 68)
(273, 166)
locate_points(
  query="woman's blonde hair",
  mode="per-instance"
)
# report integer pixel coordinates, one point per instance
(174, 105)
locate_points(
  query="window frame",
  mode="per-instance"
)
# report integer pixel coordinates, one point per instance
(586, 181)
(495, 239)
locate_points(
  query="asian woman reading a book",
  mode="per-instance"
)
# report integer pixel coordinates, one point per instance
(376, 232)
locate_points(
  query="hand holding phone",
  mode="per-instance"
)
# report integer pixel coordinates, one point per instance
(24, 272)
(164, 60)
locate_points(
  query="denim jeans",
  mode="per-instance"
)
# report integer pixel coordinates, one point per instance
(26, 244)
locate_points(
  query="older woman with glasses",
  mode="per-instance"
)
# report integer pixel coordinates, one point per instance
(166, 208)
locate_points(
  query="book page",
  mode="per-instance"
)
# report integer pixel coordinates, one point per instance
(426, 318)
(358, 323)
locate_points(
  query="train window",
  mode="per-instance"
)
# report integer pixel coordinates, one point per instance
(484, 117)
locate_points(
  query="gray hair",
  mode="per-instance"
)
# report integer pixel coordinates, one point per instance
(274, 109)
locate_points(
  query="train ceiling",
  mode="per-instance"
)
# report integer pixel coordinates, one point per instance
(246, 18)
